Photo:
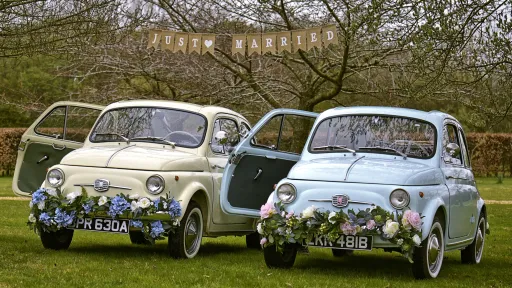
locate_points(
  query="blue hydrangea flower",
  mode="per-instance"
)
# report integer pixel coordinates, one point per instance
(174, 209)
(118, 206)
(87, 208)
(38, 196)
(62, 219)
(156, 202)
(136, 223)
(156, 229)
(45, 219)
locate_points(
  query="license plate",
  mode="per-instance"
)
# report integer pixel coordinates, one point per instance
(102, 225)
(344, 242)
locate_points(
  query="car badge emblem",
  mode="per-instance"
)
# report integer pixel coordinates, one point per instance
(101, 185)
(339, 201)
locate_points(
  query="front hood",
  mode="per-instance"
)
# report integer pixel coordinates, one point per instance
(365, 170)
(136, 157)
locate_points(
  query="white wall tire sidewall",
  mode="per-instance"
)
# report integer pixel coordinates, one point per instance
(200, 229)
(436, 226)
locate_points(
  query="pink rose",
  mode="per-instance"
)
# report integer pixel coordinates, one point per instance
(263, 241)
(413, 218)
(289, 215)
(267, 210)
(370, 224)
(348, 229)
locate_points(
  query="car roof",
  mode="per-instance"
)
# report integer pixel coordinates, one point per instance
(434, 116)
(209, 111)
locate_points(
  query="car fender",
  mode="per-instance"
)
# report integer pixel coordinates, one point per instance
(186, 195)
(428, 216)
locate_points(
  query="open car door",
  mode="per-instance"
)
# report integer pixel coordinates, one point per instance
(263, 158)
(62, 128)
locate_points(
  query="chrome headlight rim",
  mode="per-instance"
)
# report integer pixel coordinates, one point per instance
(406, 203)
(63, 178)
(162, 186)
(294, 196)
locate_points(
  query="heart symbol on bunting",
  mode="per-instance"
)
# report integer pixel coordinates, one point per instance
(208, 43)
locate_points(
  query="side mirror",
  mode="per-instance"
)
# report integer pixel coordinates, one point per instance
(221, 137)
(452, 150)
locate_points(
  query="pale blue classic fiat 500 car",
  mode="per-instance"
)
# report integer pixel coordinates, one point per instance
(358, 178)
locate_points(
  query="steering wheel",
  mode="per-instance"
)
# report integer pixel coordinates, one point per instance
(183, 133)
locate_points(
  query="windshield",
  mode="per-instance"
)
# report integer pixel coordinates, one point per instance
(375, 134)
(185, 129)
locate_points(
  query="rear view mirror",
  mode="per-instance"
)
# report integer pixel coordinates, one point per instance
(452, 151)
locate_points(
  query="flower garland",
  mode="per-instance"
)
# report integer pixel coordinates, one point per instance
(51, 211)
(279, 227)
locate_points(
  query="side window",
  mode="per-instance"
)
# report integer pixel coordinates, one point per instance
(464, 149)
(53, 124)
(233, 137)
(285, 133)
(79, 122)
(450, 135)
(244, 129)
(71, 125)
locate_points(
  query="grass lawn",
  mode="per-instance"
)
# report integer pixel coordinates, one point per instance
(108, 260)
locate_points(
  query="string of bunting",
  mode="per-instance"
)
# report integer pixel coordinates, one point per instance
(255, 43)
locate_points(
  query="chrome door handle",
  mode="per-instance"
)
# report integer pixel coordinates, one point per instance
(43, 159)
(217, 166)
(455, 178)
(58, 148)
(258, 174)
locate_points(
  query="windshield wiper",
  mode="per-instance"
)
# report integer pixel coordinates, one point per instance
(384, 149)
(333, 147)
(115, 134)
(155, 138)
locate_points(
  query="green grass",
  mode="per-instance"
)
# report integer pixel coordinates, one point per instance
(5, 187)
(109, 260)
(489, 189)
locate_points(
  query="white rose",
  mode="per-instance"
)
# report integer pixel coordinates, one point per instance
(308, 212)
(72, 196)
(416, 239)
(165, 205)
(259, 228)
(40, 205)
(331, 215)
(102, 201)
(134, 205)
(144, 203)
(31, 218)
(390, 228)
(52, 192)
(134, 196)
(400, 241)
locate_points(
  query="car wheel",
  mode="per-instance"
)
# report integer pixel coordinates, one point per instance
(186, 240)
(253, 241)
(275, 259)
(342, 252)
(473, 253)
(137, 237)
(428, 258)
(59, 240)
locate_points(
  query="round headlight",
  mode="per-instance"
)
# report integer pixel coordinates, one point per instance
(55, 177)
(399, 198)
(155, 184)
(286, 193)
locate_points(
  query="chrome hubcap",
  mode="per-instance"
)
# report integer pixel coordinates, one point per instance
(480, 241)
(192, 233)
(435, 250)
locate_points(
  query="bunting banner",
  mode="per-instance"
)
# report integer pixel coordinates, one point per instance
(246, 44)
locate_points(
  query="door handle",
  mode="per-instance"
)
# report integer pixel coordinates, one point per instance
(217, 166)
(43, 159)
(258, 174)
(270, 157)
(455, 178)
(58, 148)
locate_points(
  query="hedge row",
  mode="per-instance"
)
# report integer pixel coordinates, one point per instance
(490, 153)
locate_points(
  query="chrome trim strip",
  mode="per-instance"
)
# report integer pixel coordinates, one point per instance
(115, 153)
(349, 201)
(110, 186)
(459, 242)
(350, 167)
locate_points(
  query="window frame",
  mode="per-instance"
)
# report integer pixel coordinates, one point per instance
(220, 118)
(462, 137)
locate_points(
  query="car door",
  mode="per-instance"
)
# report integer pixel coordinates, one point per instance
(460, 183)
(62, 128)
(263, 158)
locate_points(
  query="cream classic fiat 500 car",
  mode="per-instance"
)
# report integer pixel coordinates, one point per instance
(131, 167)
